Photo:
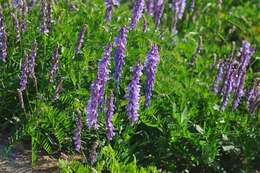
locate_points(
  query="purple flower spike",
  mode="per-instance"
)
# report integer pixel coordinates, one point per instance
(17, 26)
(115, 2)
(133, 93)
(109, 114)
(55, 63)
(245, 54)
(24, 73)
(229, 83)
(49, 14)
(17, 3)
(178, 7)
(109, 8)
(43, 27)
(150, 68)
(24, 12)
(92, 106)
(77, 134)
(120, 43)
(80, 39)
(32, 59)
(137, 13)
(58, 89)
(3, 37)
(158, 12)
(219, 78)
(103, 72)
(150, 7)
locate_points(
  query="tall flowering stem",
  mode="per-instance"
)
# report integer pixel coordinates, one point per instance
(137, 13)
(80, 39)
(150, 7)
(58, 89)
(3, 37)
(43, 9)
(245, 54)
(109, 8)
(49, 13)
(229, 82)
(55, 63)
(92, 106)
(253, 97)
(109, 115)
(103, 72)
(98, 89)
(178, 7)
(32, 61)
(152, 59)
(219, 78)
(133, 93)
(24, 73)
(120, 42)
(17, 26)
(158, 12)
(24, 13)
(77, 133)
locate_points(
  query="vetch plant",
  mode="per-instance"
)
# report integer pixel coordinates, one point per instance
(80, 39)
(3, 37)
(109, 115)
(137, 13)
(55, 63)
(133, 93)
(120, 42)
(152, 59)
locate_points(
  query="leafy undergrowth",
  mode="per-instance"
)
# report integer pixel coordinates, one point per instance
(183, 130)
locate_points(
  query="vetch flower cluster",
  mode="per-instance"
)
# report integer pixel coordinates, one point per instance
(109, 115)
(133, 93)
(158, 12)
(137, 13)
(3, 37)
(24, 73)
(43, 17)
(253, 97)
(120, 42)
(80, 39)
(178, 7)
(16, 25)
(245, 54)
(77, 133)
(55, 63)
(231, 74)
(152, 59)
(97, 89)
(32, 60)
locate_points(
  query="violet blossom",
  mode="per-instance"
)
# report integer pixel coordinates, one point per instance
(55, 63)
(24, 73)
(109, 114)
(77, 133)
(137, 13)
(80, 39)
(3, 37)
(120, 42)
(152, 59)
(133, 93)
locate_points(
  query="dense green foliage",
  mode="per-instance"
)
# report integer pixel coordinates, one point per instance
(182, 130)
